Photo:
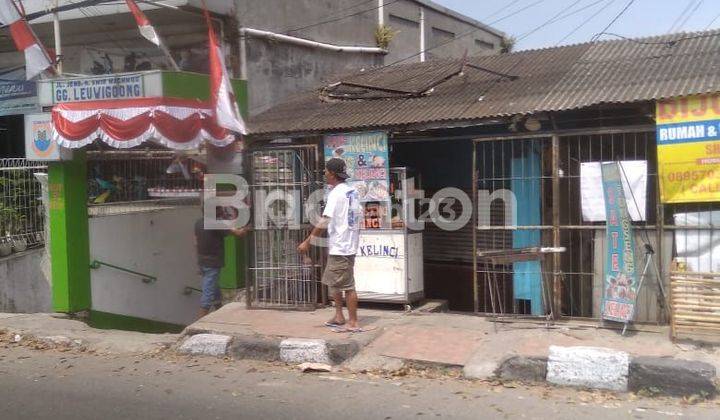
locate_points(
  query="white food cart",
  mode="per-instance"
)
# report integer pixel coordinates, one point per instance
(389, 262)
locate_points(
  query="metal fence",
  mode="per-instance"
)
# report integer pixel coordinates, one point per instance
(22, 215)
(544, 174)
(130, 181)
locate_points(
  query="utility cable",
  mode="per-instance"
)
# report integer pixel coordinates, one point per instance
(681, 15)
(559, 16)
(585, 22)
(712, 21)
(288, 31)
(692, 12)
(612, 22)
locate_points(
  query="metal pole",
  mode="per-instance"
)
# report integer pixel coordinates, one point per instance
(58, 45)
(557, 286)
(476, 302)
(243, 56)
(381, 13)
(422, 34)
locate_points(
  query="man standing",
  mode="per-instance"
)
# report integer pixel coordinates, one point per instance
(211, 259)
(341, 218)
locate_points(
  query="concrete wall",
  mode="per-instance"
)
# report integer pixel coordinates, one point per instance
(159, 243)
(24, 285)
(277, 70)
(404, 16)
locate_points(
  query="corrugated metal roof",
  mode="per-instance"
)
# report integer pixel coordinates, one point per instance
(551, 79)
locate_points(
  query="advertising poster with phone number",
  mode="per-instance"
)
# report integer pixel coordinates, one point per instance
(366, 157)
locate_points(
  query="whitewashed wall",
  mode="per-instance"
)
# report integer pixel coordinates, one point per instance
(159, 243)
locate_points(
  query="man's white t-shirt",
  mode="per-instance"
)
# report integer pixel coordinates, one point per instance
(343, 209)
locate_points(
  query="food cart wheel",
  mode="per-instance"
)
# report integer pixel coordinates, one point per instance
(408, 308)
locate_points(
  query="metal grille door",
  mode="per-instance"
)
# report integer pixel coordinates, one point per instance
(282, 182)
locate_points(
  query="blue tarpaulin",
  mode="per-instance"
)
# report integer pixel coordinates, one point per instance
(526, 175)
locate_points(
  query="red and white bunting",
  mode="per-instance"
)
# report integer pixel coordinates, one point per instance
(146, 29)
(227, 113)
(180, 124)
(37, 59)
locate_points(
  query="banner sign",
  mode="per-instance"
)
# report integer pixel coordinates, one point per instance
(688, 143)
(621, 280)
(18, 97)
(125, 86)
(366, 156)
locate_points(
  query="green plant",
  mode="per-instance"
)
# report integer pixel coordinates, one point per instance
(507, 45)
(384, 35)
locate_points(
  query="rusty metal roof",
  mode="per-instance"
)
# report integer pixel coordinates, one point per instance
(550, 79)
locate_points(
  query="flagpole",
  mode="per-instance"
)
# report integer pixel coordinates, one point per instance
(58, 44)
(169, 56)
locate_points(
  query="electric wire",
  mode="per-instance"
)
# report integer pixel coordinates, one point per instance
(502, 9)
(559, 16)
(681, 15)
(585, 22)
(712, 21)
(612, 22)
(692, 12)
(324, 22)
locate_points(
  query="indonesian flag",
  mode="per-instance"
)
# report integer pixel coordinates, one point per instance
(143, 23)
(227, 113)
(37, 59)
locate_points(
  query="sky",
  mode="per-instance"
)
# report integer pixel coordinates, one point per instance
(642, 18)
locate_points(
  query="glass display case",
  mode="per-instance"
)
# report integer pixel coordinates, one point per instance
(389, 262)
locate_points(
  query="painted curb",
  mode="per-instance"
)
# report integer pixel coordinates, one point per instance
(588, 367)
(206, 345)
(304, 350)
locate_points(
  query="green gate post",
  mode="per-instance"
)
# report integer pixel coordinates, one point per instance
(232, 275)
(69, 235)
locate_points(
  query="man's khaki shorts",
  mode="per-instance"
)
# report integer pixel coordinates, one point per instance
(339, 273)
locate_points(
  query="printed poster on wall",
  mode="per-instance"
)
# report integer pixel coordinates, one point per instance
(620, 287)
(366, 156)
(688, 143)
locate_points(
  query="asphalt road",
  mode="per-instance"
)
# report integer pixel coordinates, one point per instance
(45, 384)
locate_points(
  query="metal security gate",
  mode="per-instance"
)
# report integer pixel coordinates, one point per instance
(543, 174)
(282, 182)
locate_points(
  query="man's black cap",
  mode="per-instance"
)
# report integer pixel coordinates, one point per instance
(338, 167)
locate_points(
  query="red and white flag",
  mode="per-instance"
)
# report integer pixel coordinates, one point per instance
(227, 113)
(37, 59)
(143, 23)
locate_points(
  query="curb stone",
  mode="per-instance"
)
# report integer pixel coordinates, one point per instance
(588, 367)
(206, 345)
(672, 377)
(302, 350)
(661, 376)
(255, 347)
(523, 368)
(273, 349)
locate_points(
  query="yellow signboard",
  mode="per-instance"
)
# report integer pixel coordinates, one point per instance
(688, 144)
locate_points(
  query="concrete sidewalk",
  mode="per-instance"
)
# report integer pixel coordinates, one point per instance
(565, 353)
(57, 331)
